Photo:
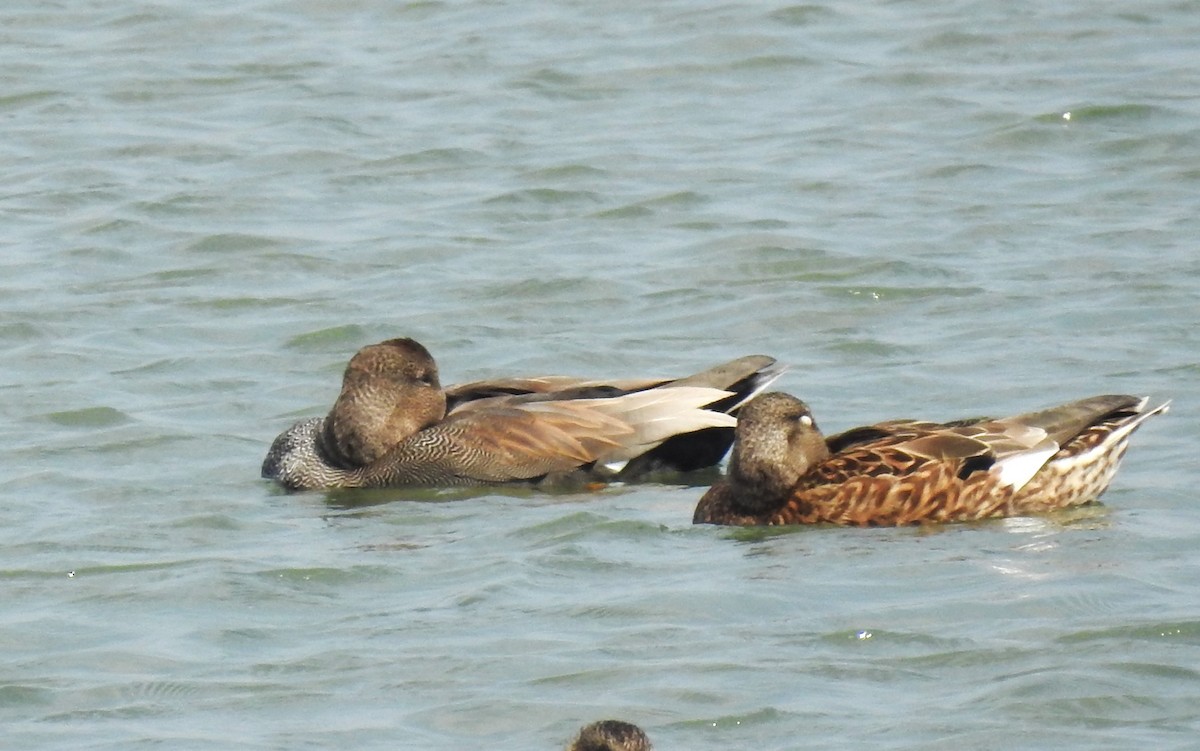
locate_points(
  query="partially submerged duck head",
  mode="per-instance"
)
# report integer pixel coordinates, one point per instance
(610, 735)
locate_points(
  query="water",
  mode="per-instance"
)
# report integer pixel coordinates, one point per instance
(208, 209)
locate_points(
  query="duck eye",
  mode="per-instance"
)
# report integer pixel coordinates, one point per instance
(806, 421)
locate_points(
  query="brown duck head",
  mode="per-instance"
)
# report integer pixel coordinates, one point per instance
(776, 442)
(390, 391)
(610, 735)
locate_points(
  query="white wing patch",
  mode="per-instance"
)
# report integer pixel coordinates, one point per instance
(1017, 469)
(652, 416)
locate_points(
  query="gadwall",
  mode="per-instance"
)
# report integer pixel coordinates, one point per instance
(394, 425)
(783, 471)
(610, 735)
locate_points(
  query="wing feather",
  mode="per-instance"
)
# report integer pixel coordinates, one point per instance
(521, 440)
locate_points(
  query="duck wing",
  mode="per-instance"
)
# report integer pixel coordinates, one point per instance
(738, 381)
(744, 378)
(477, 394)
(522, 440)
(1011, 450)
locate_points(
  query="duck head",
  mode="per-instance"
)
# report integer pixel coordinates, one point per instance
(390, 391)
(610, 735)
(776, 442)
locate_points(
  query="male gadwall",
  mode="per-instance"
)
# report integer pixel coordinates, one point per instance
(610, 735)
(394, 425)
(783, 471)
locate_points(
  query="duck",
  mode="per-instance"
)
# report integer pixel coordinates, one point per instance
(610, 735)
(394, 425)
(783, 470)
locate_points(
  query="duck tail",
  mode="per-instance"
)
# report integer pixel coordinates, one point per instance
(1132, 423)
(745, 378)
(1065, 421)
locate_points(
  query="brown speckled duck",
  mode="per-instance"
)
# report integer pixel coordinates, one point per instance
(783, 471)
(610, 735)
(394, 425)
